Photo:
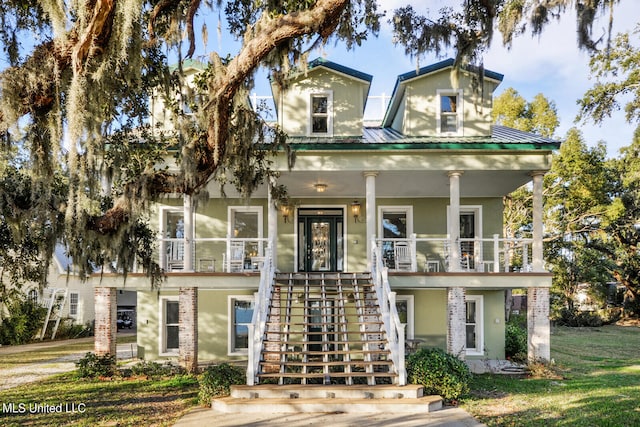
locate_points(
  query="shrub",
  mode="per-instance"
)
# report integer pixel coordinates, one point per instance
(25, 319)
(515, 341)
(216, 381)
(439, 372)
(92, 366)
(69, 329)
(156, 370)
(575, 318)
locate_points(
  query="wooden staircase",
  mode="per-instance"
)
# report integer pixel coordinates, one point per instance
(325, 328)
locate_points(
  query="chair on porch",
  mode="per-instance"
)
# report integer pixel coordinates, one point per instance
(402, 256)
(235, 262)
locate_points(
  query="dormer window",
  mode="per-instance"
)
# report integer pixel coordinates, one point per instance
(321, 123)
(450, 116)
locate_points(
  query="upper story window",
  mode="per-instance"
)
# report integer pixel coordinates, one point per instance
(321, 122)
(449, 115)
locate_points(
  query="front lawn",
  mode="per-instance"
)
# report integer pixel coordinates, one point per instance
(597, 383)
(121, 402)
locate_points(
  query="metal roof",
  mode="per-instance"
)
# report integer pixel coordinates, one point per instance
(321, 62)
(445, 64)
(376, 138)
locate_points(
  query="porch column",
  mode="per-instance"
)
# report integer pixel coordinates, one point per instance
(106, 321)
(454, 221)
(537, 262)
(272, 223)
(188, 328)
(188, 232)
(370, 183)
(538, 325)
(456, 322)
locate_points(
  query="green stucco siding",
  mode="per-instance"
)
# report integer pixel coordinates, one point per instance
(494, 328)
(213, 324)
(421, 101)
(348, 103)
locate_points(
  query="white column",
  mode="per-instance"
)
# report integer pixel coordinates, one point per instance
(188, 233)
(538, 262)
(272, 223)
(454, 220)
(370, 184)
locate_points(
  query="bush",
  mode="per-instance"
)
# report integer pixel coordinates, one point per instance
(156, 370)
(93, 366)
(216, 381)
(23, 323)
(69, 329)
(439, 372)
(515, 341)
(577, 318)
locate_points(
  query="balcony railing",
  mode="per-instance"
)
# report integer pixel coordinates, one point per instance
(434, 254)
(413, 254)
(212, 254)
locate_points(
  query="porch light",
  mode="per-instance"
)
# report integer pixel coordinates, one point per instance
(355, 210)
(320, 188)
(285, 210)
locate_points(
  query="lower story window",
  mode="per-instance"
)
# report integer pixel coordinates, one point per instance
(170, 325)
(474, 325)
(404, 305)
(73, 304)
(240, 315)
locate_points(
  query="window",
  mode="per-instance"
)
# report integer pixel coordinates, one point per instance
(449, 115)
(396, 225)
(240, 315)
(470, 232)
(321, 122)
(404, 305)
(245, 223)
(474, 325)
(73, 304)
(172, 229)
(33, 296)
(170, 326)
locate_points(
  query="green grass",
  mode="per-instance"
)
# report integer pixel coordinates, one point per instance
(121, 402)
(598, 384)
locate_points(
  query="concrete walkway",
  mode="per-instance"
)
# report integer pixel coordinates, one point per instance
(448, 417)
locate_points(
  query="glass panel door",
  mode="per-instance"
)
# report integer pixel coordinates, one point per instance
(320, 245)
(320, 240)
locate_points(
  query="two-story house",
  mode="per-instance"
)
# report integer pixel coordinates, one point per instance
(392, 239)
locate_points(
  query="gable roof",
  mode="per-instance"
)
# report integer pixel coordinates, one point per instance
(319, 63)
(403, 79)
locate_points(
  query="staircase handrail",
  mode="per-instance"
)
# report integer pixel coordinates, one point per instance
(390, 318)
(260, 310)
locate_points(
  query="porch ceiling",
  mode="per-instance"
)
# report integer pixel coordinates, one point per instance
(395, 184)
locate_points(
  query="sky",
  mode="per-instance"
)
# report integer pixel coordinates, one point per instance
(550, 64)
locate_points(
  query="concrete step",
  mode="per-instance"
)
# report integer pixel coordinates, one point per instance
(302, 405)
(271, 391)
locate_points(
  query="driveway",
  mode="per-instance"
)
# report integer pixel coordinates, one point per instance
(24, 373)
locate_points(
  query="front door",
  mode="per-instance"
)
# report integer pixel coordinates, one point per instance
(320, 233)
